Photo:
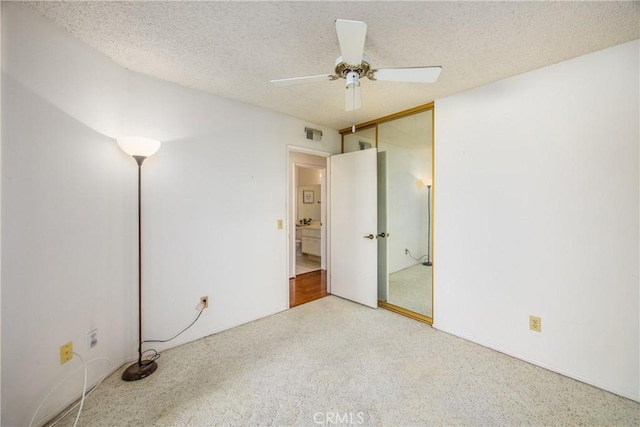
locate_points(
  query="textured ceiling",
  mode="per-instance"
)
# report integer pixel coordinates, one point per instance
(233, 49)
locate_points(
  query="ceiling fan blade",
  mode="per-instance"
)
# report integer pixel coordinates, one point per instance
(351, 35)
(408, 74)
(303, 80)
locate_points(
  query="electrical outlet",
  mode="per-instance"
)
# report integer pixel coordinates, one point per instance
(204, 301)
(92, 339)
(535, 323)
(66, 352)
(279, 224)
(406, 251)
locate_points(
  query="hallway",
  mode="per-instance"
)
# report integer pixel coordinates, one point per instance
(307, 287)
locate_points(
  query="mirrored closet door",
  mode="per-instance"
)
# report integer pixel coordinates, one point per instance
(405, 186)
(404, 143)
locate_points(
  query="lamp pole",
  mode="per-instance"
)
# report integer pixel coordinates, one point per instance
(139, 149)
(139, 161)
(141, 369)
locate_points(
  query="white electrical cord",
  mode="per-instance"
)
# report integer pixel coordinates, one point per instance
(84, 389)
(90, 391)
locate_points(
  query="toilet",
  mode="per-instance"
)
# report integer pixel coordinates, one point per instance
(298, 241)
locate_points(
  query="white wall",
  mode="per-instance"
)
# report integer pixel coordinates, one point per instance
(536, 212)
(67, 214)
(0, 215)
(211, 200)
(309, 176)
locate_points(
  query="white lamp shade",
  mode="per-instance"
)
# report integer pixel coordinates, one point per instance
(137, 146)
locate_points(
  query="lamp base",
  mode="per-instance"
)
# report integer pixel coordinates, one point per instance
(427, 263)
(137, 372)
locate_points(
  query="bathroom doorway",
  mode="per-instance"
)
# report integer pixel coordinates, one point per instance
(307, 227)
(308, 219)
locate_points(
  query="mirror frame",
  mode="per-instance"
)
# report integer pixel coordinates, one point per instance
(374, 124)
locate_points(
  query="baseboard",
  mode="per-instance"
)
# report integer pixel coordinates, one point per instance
(54, 413)
(126, 361)
(160, 349)
(622, 393)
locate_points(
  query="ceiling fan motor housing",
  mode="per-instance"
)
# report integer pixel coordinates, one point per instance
(363, 69)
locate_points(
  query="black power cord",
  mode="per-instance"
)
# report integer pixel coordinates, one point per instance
(412, 257)
(157, 355)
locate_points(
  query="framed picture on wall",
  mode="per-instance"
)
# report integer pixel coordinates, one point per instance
(307, 196)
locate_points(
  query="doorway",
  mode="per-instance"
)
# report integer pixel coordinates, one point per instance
(308, 218)
(307, 226)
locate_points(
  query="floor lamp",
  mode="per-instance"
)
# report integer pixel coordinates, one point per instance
(428, 261)
(139, 149)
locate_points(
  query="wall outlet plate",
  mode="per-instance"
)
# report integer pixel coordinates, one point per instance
(204, 301)
(66, 352)
(92, 339)
(535, 323)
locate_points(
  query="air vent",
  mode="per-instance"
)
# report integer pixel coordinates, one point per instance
(313, 134)
(364, 145)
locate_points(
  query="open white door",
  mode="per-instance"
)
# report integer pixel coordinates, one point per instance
(354, 250)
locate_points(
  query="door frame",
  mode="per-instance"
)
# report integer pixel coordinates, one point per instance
(290, 217)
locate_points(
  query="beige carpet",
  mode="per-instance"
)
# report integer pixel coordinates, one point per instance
(411, 289)
(333, 360)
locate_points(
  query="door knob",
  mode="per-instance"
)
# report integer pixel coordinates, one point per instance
(370, 236)
(382, 235)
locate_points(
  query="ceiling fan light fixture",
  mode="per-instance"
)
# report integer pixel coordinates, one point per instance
(353, 97)
(353, 79)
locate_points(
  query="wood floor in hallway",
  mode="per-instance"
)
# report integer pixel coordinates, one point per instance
(307, 287)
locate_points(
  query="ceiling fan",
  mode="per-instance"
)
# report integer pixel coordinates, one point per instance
(354, 64)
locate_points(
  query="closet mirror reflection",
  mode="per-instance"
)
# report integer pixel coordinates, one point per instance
(363, 139)
(405, 150)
